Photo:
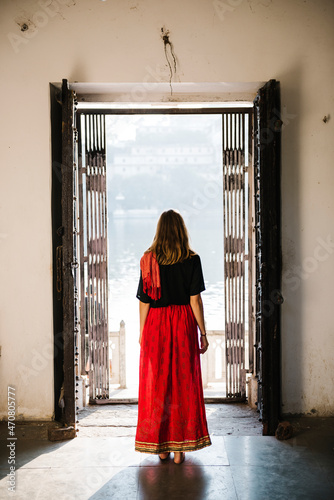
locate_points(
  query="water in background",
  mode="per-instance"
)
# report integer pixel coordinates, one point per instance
(158, 162)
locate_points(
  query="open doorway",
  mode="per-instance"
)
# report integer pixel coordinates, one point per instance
(79, 313)
(132, 166)
(156, 162)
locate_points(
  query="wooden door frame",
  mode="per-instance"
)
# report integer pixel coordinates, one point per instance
(64, 321)
(269, 385)
(268, 255)
(56, 194)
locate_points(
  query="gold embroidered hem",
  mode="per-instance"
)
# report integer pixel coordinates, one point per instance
(156, 448)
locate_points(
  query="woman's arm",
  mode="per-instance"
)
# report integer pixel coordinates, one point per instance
(196, 305)
(143, 312)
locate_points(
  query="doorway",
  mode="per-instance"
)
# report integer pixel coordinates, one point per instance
(266, 142)
(132, 166)
(156, 162)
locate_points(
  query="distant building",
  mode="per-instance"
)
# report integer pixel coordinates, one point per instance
(130, 160)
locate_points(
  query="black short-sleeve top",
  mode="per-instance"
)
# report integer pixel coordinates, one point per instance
(178, 282)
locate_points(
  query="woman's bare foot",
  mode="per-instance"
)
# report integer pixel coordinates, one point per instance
(179, 457)
(163, 456)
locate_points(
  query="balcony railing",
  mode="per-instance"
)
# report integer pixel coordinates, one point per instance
(117, 357)
(213, 363)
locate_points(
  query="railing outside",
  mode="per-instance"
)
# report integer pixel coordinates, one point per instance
(213, 363)
(117, 357)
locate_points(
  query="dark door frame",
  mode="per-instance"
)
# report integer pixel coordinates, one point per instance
(64, 320)
(267, 143)
(267, 189)
(57, 247)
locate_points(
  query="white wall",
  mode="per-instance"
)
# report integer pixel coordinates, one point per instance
(119, 41)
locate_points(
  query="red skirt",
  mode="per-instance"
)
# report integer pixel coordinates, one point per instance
(171, 411)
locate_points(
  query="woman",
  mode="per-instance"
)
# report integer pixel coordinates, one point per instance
(171, 412)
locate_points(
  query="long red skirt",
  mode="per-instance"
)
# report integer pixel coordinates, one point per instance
(171, 411)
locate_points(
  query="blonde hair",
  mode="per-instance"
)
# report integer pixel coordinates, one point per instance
(171, 241)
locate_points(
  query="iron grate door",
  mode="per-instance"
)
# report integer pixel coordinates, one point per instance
(236, 129)
(94, 254)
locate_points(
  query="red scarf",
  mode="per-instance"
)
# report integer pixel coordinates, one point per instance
(151, 275)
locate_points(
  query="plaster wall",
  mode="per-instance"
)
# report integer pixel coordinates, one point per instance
(214, 41)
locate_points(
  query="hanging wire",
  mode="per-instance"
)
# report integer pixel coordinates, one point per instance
(170, 56)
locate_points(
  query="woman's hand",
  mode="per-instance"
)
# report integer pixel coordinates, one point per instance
(204, 344)
(196, 305)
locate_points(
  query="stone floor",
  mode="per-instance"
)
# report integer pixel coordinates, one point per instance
(241, 464)
(121, 420)
(212, 393)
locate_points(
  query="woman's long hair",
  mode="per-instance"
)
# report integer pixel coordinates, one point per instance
(171, 240)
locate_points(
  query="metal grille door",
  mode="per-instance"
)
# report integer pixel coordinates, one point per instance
(93, 254)
(237, 249)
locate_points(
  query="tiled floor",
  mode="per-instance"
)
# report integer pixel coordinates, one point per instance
(235, 467)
